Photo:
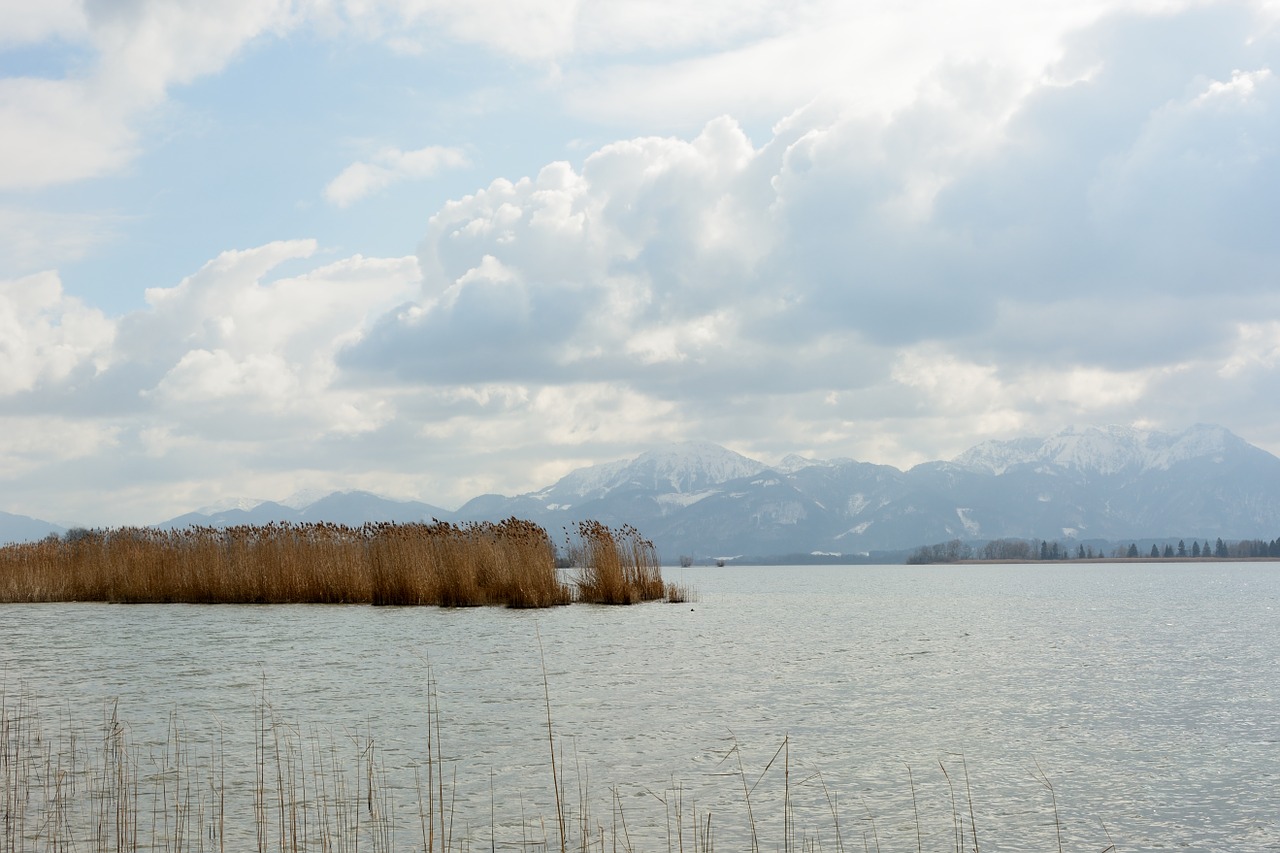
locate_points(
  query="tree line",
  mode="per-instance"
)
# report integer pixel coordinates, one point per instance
(1031, 550)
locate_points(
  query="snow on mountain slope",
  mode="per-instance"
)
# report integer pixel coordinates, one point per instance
(1101, 450)
(691, 466)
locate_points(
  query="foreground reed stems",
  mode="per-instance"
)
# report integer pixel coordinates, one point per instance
(68, 790)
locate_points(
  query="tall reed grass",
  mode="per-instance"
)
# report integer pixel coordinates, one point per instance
(615, 565)
(98, 790)
(509, 563)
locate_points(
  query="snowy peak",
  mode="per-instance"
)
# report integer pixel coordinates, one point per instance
(683, 468)
(1101, 450)
(794, 462)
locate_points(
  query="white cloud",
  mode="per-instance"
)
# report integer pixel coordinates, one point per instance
(871, 58)
(59, 131)
(34, 444)
(230, 364)
(229, 340)
(552, 273)
(1256, 350)
(391, 166)
(966, 254)
(144, 48)
(46, 336)
(83, 124)
(26, 22)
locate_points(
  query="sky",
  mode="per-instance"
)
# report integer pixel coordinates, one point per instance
(439, 249)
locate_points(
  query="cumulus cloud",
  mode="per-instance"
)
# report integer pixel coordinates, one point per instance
(231, 364)
(1018, 258)
(46, 336)
(251, 345)
(554, 272)
(390, 166)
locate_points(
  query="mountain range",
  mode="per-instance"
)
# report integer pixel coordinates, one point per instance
(702, 500)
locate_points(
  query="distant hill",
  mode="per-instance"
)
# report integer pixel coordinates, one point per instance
(702, 500)
(20, 528)
(351, 507)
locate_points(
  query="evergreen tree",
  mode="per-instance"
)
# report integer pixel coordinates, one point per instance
(1168, 550)
(1182, 548)
(1133, 550)
(1220, 548)
(1155, 550)
(1195, 549)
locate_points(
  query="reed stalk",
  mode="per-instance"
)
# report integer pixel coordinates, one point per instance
(64, 789)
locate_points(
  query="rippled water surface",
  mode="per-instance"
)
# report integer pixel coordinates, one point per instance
(1147, 694)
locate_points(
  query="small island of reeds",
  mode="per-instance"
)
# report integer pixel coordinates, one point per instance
(511, 563)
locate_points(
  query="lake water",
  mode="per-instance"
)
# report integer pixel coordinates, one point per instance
(1148, 695)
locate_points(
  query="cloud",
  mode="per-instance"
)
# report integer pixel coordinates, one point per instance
(1000, 252)
(229, 364)
(553, 273)
(26, 23)
(226, 341)
(83, 124)
(59, 131)
(391, 166)
(1020, 257)
(46, 336)
(870, 58)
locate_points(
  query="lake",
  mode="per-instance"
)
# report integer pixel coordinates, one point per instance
(1147, 695)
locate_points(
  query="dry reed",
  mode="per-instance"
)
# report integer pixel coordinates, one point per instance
(509, 563)
(62, 788)
(615, 565)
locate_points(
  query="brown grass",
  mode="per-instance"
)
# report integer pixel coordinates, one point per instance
(615, 565)
(509, 563)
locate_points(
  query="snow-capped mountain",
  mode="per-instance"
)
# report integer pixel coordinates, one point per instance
(700, 499)
(1102, 450)
(682, 468)
(1081, 483)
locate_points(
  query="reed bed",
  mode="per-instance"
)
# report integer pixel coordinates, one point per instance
(99, 789)
(617, 566)
(510, 563)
